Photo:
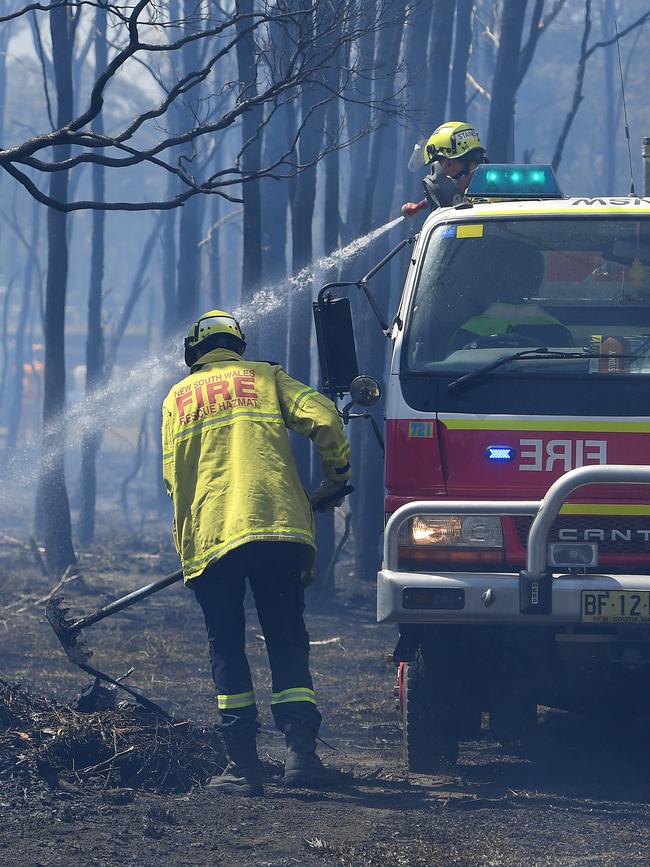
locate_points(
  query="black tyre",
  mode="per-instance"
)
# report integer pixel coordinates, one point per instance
(430, 710)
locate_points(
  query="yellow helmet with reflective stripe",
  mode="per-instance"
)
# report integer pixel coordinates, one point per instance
(452, 140)
(206, 332)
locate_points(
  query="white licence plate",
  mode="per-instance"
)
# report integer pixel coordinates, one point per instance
(615, 606)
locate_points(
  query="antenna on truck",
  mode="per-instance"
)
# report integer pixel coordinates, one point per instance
(627, 126)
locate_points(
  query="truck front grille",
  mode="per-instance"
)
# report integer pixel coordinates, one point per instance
(614, 535)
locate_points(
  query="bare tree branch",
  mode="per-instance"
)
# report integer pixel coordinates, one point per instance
(33, 7)
(137, 287)
(577, 93)
(38, 44)
(640, 21)
(56, 4)
(585, 53)
(307, 62)
(537, 28)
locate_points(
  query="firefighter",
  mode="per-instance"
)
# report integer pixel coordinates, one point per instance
(510, 276)
(453, 151)
(240, 512)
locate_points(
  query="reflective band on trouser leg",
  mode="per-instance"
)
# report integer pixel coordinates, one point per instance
(299, 693)
(239, 699)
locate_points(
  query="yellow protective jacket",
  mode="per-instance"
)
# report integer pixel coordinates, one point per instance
(227, 461)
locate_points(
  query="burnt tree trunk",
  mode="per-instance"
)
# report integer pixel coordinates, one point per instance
(135, 293)
(272, 339)
(359, 118)
(368, 499)
(188, 296)
(52, 495)
(16, 388)
(251, 132)
(462, 45)
(331, 166)
(439, 55)
(331, 169)
(274, 208)
(302, 215)
(95, 333)
(416, 40)
(388, 47)
(277, 207)
(214, 259)
(170, 325)
(331, 230)
(170, 321)
(188, 291)
(506, 81)
(5, 33)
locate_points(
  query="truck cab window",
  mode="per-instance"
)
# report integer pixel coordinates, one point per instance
(556, 283)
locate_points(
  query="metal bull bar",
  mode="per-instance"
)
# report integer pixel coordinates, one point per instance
(535, 581)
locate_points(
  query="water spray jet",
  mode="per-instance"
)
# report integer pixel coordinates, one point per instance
(140, 387)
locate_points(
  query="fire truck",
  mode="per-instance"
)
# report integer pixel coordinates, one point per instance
(517, 538)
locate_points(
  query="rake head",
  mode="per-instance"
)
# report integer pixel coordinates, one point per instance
(67, 632)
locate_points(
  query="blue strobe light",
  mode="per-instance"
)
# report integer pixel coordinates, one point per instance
(500, 453)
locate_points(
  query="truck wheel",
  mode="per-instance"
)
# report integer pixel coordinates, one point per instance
(429, 711)
(513, 718)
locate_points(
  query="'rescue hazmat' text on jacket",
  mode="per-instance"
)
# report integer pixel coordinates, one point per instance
(227, 461)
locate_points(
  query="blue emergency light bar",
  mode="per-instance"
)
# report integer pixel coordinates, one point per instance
(506, 181)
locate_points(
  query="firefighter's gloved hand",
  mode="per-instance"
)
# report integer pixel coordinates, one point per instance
(327, 495)
(410, 209)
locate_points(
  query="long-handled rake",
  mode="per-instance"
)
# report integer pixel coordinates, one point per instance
(69, 631)
(73, 642)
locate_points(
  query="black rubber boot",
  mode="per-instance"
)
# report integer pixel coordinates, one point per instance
(239, 779)
(243, 773)
(302, 767)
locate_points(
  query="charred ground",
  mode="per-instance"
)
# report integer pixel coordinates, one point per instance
(579, 793)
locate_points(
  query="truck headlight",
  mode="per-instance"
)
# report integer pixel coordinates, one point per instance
(453, 531)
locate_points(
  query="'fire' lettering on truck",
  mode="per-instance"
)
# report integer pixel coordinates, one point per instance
(560, 454)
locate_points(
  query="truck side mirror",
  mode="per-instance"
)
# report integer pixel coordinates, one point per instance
(337, 352)
(365, 391)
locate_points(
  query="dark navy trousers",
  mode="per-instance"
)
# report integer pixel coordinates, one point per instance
(273, 570)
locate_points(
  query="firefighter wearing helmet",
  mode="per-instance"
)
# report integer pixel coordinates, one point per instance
(241, 512)
(453, 151)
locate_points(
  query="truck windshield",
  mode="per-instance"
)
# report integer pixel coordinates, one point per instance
(486, 289)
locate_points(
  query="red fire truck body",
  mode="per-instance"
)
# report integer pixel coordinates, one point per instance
(521, 352)
(444, 457)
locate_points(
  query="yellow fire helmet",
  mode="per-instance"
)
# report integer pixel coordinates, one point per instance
(214, 323)
(452, 140)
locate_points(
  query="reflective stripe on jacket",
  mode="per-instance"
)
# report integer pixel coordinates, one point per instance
(227, 461)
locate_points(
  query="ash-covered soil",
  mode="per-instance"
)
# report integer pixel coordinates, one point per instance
(577, 794)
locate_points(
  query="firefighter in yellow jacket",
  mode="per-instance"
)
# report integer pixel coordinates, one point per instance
(241, 512)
